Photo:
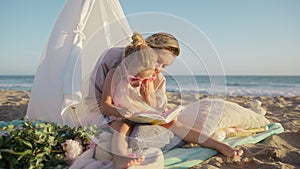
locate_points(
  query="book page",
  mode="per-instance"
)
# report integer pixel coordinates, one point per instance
(157, 117)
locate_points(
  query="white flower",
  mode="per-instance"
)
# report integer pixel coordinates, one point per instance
(72, 149)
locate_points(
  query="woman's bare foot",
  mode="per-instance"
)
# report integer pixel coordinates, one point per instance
(237, 153)
(229, 151)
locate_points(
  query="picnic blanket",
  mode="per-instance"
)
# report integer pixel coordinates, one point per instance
(188, 157)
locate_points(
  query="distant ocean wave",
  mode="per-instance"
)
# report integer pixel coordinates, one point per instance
(16, 86)
(242, 84)
(258, 84)
(211, 85)
(16, 82)
(238, 91)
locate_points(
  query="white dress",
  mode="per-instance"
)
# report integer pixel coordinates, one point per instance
(206, 115)
(209, 115)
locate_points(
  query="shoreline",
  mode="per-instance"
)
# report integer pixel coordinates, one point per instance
(278, 151)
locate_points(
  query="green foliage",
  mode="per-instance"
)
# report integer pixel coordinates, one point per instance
(38, 145)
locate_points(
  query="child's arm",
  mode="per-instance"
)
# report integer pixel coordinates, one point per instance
(107, 106)
(146, 90)
(154, 93)
(159, 86)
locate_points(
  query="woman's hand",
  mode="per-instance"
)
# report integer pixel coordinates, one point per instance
(168, 125)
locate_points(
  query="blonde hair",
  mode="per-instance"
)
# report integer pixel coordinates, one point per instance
(141, 55)
(137, 44)
(164, 40)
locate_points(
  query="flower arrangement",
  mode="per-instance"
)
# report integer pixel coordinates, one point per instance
(42, 145)
(72, 149)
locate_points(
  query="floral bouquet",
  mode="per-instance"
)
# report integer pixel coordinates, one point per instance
(42, 145)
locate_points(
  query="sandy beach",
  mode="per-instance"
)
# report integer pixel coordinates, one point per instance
(278, 151)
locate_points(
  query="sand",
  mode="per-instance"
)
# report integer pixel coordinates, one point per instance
(278, 151)
(13, 104)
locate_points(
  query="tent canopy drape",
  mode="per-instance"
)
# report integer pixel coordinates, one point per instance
(82, 32)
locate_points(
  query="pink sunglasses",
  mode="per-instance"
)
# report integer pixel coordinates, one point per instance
(134, 79)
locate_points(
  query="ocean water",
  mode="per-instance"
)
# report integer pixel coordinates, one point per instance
(236, 85)
(225, 85)
(16, 82)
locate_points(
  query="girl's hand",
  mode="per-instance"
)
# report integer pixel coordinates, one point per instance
(125, 113)
(145, 89)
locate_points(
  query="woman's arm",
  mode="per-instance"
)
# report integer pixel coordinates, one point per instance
(106, 104)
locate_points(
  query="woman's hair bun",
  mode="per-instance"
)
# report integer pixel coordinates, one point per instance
(137, 39)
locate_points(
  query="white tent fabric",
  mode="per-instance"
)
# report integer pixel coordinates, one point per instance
(81, 33)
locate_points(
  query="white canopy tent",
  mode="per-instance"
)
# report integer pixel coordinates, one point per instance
(83, 31)
(65, 66)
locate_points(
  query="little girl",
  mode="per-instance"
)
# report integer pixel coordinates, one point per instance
(128, 89)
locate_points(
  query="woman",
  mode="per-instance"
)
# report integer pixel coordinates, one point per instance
(128, 89)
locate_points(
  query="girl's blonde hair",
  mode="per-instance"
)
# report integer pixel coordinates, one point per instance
(138, 55)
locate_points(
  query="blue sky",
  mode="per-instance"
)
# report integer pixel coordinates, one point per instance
(251, 37)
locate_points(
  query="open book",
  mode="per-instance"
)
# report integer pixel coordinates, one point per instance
(156, 117)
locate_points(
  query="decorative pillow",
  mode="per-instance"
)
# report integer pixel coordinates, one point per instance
(235, 115)
(209, 115)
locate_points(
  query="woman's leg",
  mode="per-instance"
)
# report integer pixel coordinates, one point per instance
(192, 135)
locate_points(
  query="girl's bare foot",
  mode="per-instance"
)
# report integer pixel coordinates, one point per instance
(135, 162)
(122, 162)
